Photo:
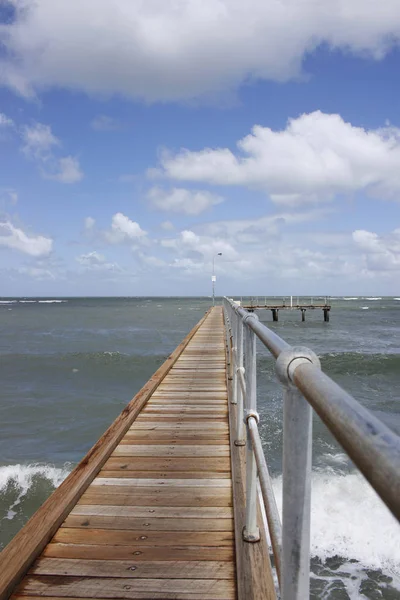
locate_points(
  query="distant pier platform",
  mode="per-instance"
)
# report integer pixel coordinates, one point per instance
(275, 308)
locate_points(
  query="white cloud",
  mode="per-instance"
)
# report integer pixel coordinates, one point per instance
(16, 239)
(381, 253)
(5, 121)
(167, 226)
(66, 170)
(180, 50)
(105, 123)
(94, 261)
(316, 156)
(251, 231)
(92, 258)
(124, 230)
(152, 261)
(38, 143)
(180, 200)
(203, 247)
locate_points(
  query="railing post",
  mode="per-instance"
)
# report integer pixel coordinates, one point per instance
(240, 430)
(251, 532)
(296, 492)
(235, 355)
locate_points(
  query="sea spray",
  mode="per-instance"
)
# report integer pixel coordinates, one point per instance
(350, 524)
(17, 480)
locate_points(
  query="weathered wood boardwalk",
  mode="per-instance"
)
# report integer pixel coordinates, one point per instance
(153, 516)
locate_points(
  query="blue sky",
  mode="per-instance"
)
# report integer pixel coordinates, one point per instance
(137, 141)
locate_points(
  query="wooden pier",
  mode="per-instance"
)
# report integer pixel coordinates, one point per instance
(156, 508)
(301, 307)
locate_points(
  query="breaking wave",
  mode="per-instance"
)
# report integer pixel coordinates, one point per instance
(17, 481)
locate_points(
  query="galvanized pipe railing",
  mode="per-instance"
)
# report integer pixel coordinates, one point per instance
(372, 446)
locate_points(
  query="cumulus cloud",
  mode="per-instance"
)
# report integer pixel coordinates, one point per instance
(203, 246)
(123, 230)
(381, 252)
(105, 123)
(16, 239)
(38, 144)
(38, 140)
(94, 261)
(180, 200)
(316, 156)
(66, 170)
(181, 50)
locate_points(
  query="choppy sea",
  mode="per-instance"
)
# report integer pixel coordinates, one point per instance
(68, 366)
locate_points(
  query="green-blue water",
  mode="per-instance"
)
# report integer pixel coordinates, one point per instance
(68, 368)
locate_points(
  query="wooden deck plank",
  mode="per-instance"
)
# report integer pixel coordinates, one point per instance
(142, 537)
(134, 569)
(145, 482)
(163, 512)
(174, 440)
(164, 450)
(166, 474)
(133, 552)
(93, 587)
(147, 523)
(172, 464)
(190, 496)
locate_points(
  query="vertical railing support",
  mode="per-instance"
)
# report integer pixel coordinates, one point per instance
(234, 319)
(296, 492)
(240, 429)
(251, 532)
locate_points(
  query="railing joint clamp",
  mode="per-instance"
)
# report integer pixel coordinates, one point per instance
(289, 359)
(252, 414)
(250, 316)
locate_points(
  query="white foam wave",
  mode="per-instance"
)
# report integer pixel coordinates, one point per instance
(27, 301)
(350, 520)
(355, 298)
(51, 301)
(364, 307)
(7, 301)
(21, 478)
(379, 298)
(396, 298)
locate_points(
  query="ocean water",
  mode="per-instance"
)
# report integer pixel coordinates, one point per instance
(69, 366)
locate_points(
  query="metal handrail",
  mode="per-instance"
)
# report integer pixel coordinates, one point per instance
(372, 446)
(271, 509)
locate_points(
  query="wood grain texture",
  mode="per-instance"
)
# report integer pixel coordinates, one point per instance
(147, 523)
(142, 553)
(92, 587)
(160, 450)
(166, 474)
(171, 464)
(163, 512)
(142, 537)
(153, 497)
(134, 569)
